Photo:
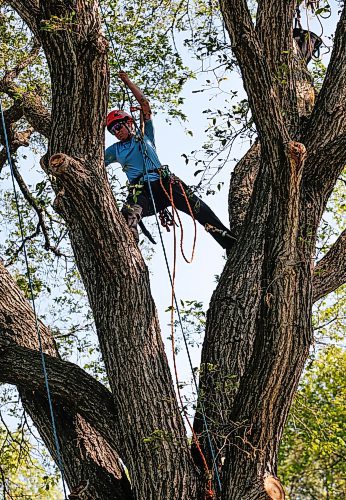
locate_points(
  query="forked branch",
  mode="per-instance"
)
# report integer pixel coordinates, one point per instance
(328, 119)
(258, 78)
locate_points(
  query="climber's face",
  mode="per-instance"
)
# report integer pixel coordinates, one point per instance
(122, 130)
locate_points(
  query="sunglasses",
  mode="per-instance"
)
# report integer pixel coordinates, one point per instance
(117, 126)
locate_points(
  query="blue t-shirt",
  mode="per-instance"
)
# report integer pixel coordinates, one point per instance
(132, 153)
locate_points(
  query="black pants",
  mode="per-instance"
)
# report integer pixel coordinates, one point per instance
(140, 205)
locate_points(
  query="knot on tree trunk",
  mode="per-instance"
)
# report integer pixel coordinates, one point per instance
(273, 488)
(62, 165)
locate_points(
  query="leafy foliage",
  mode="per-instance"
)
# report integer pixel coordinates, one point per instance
(147, 54)
(312, 453)
(22, 475)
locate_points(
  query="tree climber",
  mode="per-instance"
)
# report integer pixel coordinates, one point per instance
(137, 155)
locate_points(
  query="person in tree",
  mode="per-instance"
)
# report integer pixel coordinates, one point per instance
(136, 153)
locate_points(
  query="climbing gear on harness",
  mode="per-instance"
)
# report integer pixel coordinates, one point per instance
(166, 219)
(115, 116)
(173, 179)
(163, 171)
(165, 216)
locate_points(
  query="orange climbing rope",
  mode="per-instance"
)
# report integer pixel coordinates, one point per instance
(209, 493)
(174, 209)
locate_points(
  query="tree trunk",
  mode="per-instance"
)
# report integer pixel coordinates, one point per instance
(150, 428)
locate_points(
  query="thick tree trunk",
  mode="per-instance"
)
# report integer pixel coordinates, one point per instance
(263, 300)
(260, 303)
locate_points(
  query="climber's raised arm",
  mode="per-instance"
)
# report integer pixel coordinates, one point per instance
(138, 94)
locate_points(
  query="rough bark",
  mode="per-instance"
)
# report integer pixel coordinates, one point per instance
(330, 271)
(258, 330)
(241, 187)
(69, 384)
(263, 300)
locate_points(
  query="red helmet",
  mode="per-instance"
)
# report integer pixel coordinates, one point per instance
(115, 116)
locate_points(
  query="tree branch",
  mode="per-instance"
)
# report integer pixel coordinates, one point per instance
(21, 246)
(324, 164)
(258, 80)
(31, 106)
(28, 103)
(69, 384)
(86, 454)
(29, 11)
(241, 185)
(19, 139)
(330, 271)
(12, 114)
(14, 72)
(274, 29)
(328, 119)
(39, 210)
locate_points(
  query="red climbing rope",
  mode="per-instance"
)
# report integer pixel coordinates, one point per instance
(209, 493)
(174, 209)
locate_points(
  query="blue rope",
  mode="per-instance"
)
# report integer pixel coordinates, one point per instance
(145, 158)
(44, 369)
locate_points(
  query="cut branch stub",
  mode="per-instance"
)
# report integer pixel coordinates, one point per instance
(72, 177)
(297, 156)
(67, 169)
(273, 488)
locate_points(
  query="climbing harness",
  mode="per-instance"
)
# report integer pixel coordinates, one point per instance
(209, 492)
(39, 337)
